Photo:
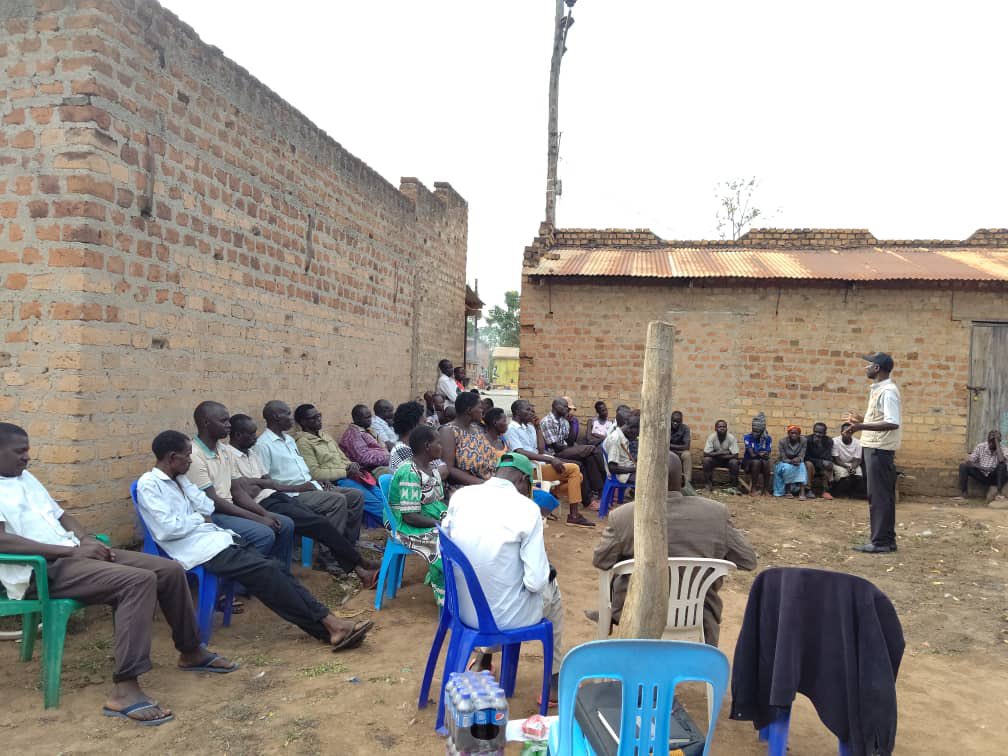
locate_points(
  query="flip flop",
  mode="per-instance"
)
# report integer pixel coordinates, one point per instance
(355, 637)
(236, 605)
(139, 706)
(370, 586)
(207, 666)
(552, 700)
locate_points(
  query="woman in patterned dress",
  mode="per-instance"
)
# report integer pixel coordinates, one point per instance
(496, 423)
(466, 452)
(417, 502)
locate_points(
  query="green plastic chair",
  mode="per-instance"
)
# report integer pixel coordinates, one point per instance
(54, 615)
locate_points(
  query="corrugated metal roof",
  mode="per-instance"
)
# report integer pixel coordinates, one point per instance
(857, 264)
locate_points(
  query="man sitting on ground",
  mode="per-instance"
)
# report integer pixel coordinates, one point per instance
(383, 413)
(985, 464)
(524, 438)
(499, 529)
(556, 431)
(617, 449)
(819, 459)
(81, 567)
(680, 441)
(177, 514)
(848, 472)
(360, 446)
(212, 471)
(343, 507)
(697, 527)
(252, 483)
(327, 462)
(721, 450)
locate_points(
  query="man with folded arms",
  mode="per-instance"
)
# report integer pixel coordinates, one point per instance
(177, 515)
(81, 567)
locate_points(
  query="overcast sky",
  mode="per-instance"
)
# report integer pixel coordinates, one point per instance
(887, 115)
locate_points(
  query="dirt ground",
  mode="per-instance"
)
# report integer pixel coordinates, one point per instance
(949, 583)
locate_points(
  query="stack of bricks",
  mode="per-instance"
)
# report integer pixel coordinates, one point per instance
(172, 231)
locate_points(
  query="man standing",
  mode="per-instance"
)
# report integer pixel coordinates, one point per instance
(556, 431)
(212, 471)
(721, 450)
(697, 527)
(847, 463)
(499, 529)
(343, 507)
(987, 465)
(880, 438)
(679, 442)
(446, 381)
(524, 438)
(81, 567)
(383, 413)
(819, 459)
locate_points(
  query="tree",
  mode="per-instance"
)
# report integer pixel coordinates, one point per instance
(502, 322)
(737, 210)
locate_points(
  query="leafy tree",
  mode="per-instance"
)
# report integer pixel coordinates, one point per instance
(737, 210)
(502, 323)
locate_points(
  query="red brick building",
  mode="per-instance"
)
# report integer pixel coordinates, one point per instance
(777, 322)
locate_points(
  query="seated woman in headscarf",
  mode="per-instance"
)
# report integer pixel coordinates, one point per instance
(756, 461)
(790, 474)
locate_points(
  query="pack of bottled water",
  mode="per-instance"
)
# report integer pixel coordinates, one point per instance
(476, 714)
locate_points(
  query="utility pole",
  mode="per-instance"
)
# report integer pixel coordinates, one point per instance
(562, 25)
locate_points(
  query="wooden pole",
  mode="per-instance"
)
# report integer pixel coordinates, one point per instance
(553, 148)
(646, 608)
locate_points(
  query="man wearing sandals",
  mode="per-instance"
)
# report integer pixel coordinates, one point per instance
(177, 514)
(81, 567)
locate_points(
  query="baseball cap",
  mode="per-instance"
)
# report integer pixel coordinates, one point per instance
(883, 360)
(518, 461)
(570, 403)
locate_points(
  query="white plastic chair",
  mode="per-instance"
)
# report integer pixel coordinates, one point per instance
(689, 580)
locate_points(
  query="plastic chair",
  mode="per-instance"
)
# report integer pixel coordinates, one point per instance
(307, 546)
(649, 671)
(612, 488)
(394, 559)
(208, 586)
(464, 638)
(689, 580)
(775, 735)
(53, 614)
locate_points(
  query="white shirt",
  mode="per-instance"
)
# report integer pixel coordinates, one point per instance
(27, 510)
(523, 437)
(283, 460)
(883, 407)
(249, 465)
(846, 453)
(383, 431)
(500, 532)
(617, 449)
(174, 517)
(447, 387)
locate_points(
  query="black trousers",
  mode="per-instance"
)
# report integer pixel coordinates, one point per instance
(265, 580)
(996, 477)
(880, 474)
(731, 465)
(310, 523)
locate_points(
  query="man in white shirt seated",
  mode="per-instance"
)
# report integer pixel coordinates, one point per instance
(499, 529)
(177, 514)
(617, 449)
(380, 423)
(848, 466)
(81, 567)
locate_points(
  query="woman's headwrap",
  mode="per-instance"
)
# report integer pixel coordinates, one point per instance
(759, 422)
(794, 427)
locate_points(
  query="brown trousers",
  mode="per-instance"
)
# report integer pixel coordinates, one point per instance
(133, 585)
(570, 477)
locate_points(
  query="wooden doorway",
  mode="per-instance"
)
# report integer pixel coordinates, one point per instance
(988, 385)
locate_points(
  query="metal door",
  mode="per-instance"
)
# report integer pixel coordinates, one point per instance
(988, 384)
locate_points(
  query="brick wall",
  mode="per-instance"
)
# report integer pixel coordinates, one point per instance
(172, 231)
(793, 352)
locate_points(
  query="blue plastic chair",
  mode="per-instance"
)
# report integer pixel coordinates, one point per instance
(307, 545)
(611, 489)
(649, 671)
(464, 638)
(545, 500)
(394, 559)
(208, 586)
(775, 735)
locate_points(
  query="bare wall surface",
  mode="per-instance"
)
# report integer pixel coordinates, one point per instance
(172, 231)
(793, 352)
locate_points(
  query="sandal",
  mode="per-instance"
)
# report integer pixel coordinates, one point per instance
(207, 666)
(139, 706)
(355, 637)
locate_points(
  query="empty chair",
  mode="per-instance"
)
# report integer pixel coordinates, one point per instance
(689, 580)
(394, 559)
(648, 671)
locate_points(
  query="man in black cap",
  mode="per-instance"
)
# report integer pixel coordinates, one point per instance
(880, 438)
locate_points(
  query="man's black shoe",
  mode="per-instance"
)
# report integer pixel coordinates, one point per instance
(871, 548)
